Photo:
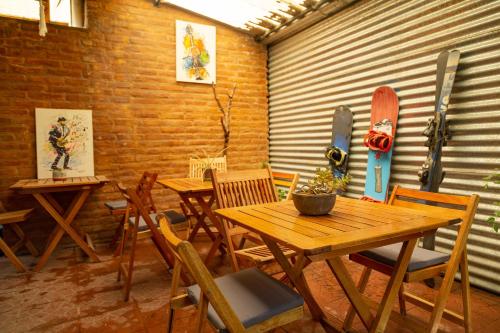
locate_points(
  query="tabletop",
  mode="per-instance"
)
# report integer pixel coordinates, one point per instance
(353, 225)
(185, 185)
(69, 183)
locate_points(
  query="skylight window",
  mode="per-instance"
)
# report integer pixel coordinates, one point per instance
(233, 12)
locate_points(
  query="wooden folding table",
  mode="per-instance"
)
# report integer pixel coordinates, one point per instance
(42, 190)
(352, 226)
(201, 192)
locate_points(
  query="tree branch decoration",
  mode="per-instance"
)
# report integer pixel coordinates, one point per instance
(225, 118)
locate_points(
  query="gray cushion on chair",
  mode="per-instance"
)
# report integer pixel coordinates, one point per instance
(142, 224)
(116, 204)
(253, 295)
(174, 217)
(421, 258)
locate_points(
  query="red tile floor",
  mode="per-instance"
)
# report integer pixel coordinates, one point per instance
(71, 295)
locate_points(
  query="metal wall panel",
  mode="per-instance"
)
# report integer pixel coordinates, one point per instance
(342, 59)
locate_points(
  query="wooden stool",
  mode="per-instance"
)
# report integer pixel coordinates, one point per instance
(11, 220)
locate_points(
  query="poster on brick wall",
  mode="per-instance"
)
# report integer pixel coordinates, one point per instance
(64, 141)
(195, 52)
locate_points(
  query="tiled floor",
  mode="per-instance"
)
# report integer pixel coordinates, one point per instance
(70, 295)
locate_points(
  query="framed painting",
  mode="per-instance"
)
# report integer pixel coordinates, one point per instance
(195, 52)
(64, 141)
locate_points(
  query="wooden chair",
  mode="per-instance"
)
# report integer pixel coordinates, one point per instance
(242, 188)
(118, 208)
(246, 301)
(198, 165)
(11, 220)
(424, 263)
(137, 227)
(288, 181)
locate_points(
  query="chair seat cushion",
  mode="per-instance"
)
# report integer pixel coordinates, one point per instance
(174, 217)
(116, 204)
(421, 258)
(142, 224)
(253, 295)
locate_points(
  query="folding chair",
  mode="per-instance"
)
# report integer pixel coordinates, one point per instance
(242, 188)
(424, 263)
(11, 220)
(288, 181)
(137, 227)
(248, 300)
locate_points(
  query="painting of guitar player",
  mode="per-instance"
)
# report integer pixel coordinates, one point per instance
(64, 142)
(195, 52)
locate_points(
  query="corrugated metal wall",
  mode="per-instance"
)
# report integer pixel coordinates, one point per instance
(342, 59)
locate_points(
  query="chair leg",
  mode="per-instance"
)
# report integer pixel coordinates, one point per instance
(123, 242)
(362, 283)
(170, 319)
(25, 239)
(242, 243)
(202, 313)
(118, 233)
(464, 271)
(12, 256)
(402, 302)
(128, 279)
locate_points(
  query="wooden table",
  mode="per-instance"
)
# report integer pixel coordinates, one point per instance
(194, 189)
(352, 226)
(42, 190)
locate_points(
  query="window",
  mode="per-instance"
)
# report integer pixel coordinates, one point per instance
(60, 11)
(67, 12)
(29, 9)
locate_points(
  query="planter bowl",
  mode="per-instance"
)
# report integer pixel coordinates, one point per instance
(310, 204)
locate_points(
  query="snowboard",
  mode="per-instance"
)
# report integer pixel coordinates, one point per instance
(383, 121)
(337, 153)
(431, 174)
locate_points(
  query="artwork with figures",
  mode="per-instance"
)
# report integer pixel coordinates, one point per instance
(195, 52)
(64, 141)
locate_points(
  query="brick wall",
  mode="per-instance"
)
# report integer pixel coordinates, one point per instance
(123, 68)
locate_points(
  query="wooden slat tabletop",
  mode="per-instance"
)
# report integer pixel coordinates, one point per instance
(27, 184)
(184, 185)
(351, 225)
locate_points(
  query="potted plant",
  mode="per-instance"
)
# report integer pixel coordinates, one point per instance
(319, 195)
(492, 220)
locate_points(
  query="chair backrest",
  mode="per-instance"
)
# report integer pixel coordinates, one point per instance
(198, 165)
(243, 188)
(286, 180)
(443, 204)
(186, 257)
(144, 189)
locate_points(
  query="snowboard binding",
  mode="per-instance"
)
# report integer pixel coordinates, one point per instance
(336, 155)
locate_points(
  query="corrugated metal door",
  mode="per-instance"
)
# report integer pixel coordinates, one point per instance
(342, 59)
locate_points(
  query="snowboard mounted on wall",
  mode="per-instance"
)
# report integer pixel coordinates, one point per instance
(379, 140)
(431, 174)
(337, 153)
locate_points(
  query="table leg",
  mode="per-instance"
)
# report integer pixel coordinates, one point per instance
(296, 275)
(206, 207)
(345, 280)
(391, 292)
(378, 323)
(200, 218)
(64, 225)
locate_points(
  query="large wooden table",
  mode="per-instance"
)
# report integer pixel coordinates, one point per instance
(195, 190)
(352, 226)
(42, 190)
